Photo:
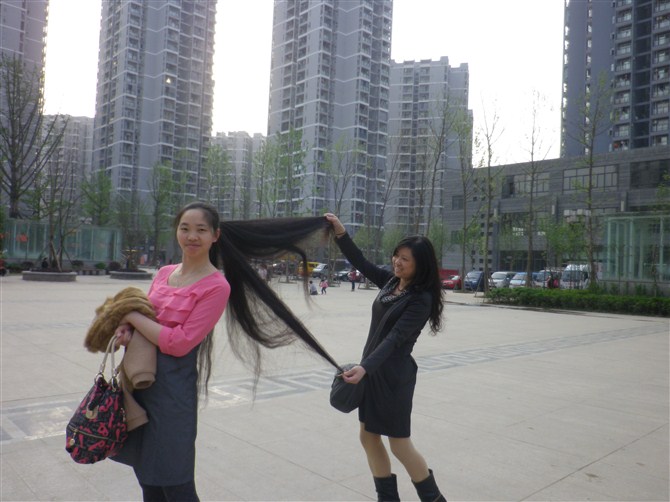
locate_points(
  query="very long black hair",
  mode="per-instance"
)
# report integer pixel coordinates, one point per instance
(254, 309)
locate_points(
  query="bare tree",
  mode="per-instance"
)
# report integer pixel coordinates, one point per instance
(27, 139)
(59, 199)
(595, 119)
(397, 146)
(537, 153)
(433, 148)
(490, 136)
(463, 129)
(340, 168)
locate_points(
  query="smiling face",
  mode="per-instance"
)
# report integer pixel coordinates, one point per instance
(195, 234)
(404, 264)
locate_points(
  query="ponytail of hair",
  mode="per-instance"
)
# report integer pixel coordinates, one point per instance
(253, 307)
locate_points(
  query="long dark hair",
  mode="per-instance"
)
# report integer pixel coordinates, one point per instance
(253, 307)
(427, 274)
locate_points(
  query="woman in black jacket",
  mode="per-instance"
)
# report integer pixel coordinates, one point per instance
(410, 296)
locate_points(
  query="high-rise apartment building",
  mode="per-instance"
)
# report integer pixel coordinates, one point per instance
(72, 159)
(155, 92)
(229, 183)
(427, 112)
(627, 41)
(22, 45)
(330, 83)
(23, 30)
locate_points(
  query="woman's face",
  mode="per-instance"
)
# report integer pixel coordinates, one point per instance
(404, 264)
(194, 233)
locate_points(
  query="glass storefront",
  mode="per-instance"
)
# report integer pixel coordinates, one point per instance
(637, 249)
(26, 240)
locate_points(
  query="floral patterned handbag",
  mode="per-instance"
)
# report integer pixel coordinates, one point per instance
(98, 428)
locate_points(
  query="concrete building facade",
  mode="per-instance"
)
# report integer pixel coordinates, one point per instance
(627, 186)
(23, 30)
(154, 92)
(75, 152)
(427, 113)
(627, 42)
(233, 190)
(330, 82)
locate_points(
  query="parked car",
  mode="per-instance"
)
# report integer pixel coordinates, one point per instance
(311, 265)
(518, 281)
(501, 279)
(541, 278)
(453, 282)
(472, 279)
(575, 277)
(320, 271)
(342, 275)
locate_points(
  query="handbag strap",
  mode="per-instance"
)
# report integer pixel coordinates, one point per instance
(109, 351)
(373, 339)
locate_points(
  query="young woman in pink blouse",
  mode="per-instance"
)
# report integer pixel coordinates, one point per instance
(189, 299)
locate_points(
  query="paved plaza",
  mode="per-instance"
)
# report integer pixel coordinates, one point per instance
(511, 404)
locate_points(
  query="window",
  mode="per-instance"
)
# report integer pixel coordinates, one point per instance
(521, 183)
(602, 178)
(648, 174)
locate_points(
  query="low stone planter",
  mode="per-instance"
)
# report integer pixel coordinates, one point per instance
(29, 275)
(90, 271)
(130, 274)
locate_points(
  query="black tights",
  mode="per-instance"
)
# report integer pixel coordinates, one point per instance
(177, 493)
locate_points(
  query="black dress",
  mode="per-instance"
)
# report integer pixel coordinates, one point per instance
(387, 357)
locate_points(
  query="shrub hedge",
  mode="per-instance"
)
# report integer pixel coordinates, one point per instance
(576, 299)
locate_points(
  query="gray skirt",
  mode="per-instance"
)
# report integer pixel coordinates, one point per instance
(162, 452)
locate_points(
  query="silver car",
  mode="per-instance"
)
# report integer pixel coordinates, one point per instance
(501, 279)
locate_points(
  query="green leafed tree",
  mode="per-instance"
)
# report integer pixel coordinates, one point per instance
(96, 203)
(291, 154)
(161, 208)
(218, 182)
(265, 171)
(130, 216)
(564, 240)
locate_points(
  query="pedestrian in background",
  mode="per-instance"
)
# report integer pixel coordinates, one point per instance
(353, 277)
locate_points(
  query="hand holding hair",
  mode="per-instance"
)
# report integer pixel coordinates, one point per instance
(336, 224)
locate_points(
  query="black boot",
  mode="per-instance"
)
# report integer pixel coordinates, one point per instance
(428, 490)
(387, 489)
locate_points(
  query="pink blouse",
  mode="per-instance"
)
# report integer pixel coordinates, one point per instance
(189, 313)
